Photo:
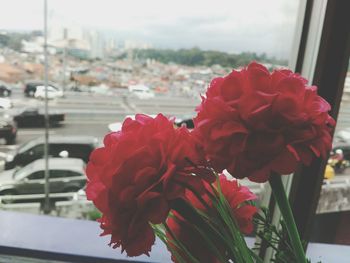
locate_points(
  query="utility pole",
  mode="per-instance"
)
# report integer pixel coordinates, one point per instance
(46, 207)
(65, 37)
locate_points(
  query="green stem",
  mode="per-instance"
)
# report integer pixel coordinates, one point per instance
(229, 220)
(282, 201)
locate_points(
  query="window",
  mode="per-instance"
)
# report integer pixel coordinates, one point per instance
(155, 58)
(171, 50)
(37, 150)
(81, 151)
(333, 215)
(39, 175)
(25, 147)
(58, 174)
(54, 174)
(73, 174)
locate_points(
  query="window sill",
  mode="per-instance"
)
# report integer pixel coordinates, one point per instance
(72, 240)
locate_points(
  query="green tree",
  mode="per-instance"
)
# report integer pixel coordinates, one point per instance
(196, 57)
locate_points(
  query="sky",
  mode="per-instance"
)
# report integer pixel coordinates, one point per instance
(227, 25)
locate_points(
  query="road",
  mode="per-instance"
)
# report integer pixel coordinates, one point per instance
(90, 114)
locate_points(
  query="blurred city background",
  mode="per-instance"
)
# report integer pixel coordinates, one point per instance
(108, 61)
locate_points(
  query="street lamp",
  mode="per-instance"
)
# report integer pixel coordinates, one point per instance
(46, 207)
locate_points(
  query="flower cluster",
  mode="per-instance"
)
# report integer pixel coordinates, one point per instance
(237, 197)
(140, 169)
(253, 122)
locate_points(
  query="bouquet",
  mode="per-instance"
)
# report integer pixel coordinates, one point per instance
(152, 179)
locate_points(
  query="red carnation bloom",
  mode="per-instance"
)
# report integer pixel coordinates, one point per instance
(253, 122)
(236, 196)
(134, 176)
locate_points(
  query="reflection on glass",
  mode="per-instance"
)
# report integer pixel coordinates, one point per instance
(108, 61)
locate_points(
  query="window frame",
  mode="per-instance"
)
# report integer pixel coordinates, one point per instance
(322, 57)
(329, 75)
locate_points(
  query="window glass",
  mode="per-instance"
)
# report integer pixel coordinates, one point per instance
(113, 60)
(79, 151)
(37, 175)
(23, 172)
(58, 174)
(72, 174)
(37, 150)
(26, 146)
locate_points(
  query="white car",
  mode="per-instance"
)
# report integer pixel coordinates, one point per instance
(141, 91)
(117, 126)
(66, 175)
(5, 103)
(52, 92)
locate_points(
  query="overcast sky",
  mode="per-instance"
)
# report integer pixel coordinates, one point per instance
(227, 25)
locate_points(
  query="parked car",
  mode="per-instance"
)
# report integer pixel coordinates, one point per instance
(141, 91)
(8, 129)
(5, 104)
(117, 126)
(36, 117)
(59, 146)
(101, 89)
(185, 121)
(5, 89)
(31, 86)
(66, 175)
(52, 93)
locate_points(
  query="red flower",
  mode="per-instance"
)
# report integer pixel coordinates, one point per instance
(134, 176)
(236, 196)
(253, 123)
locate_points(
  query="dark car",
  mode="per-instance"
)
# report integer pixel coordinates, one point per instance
(33, 117)
(5, 89)
(185, 121)
(8, 129)
(66, 175)
(31, 86)
(59, 146)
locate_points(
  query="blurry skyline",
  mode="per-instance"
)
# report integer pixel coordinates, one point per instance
(227, 25)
